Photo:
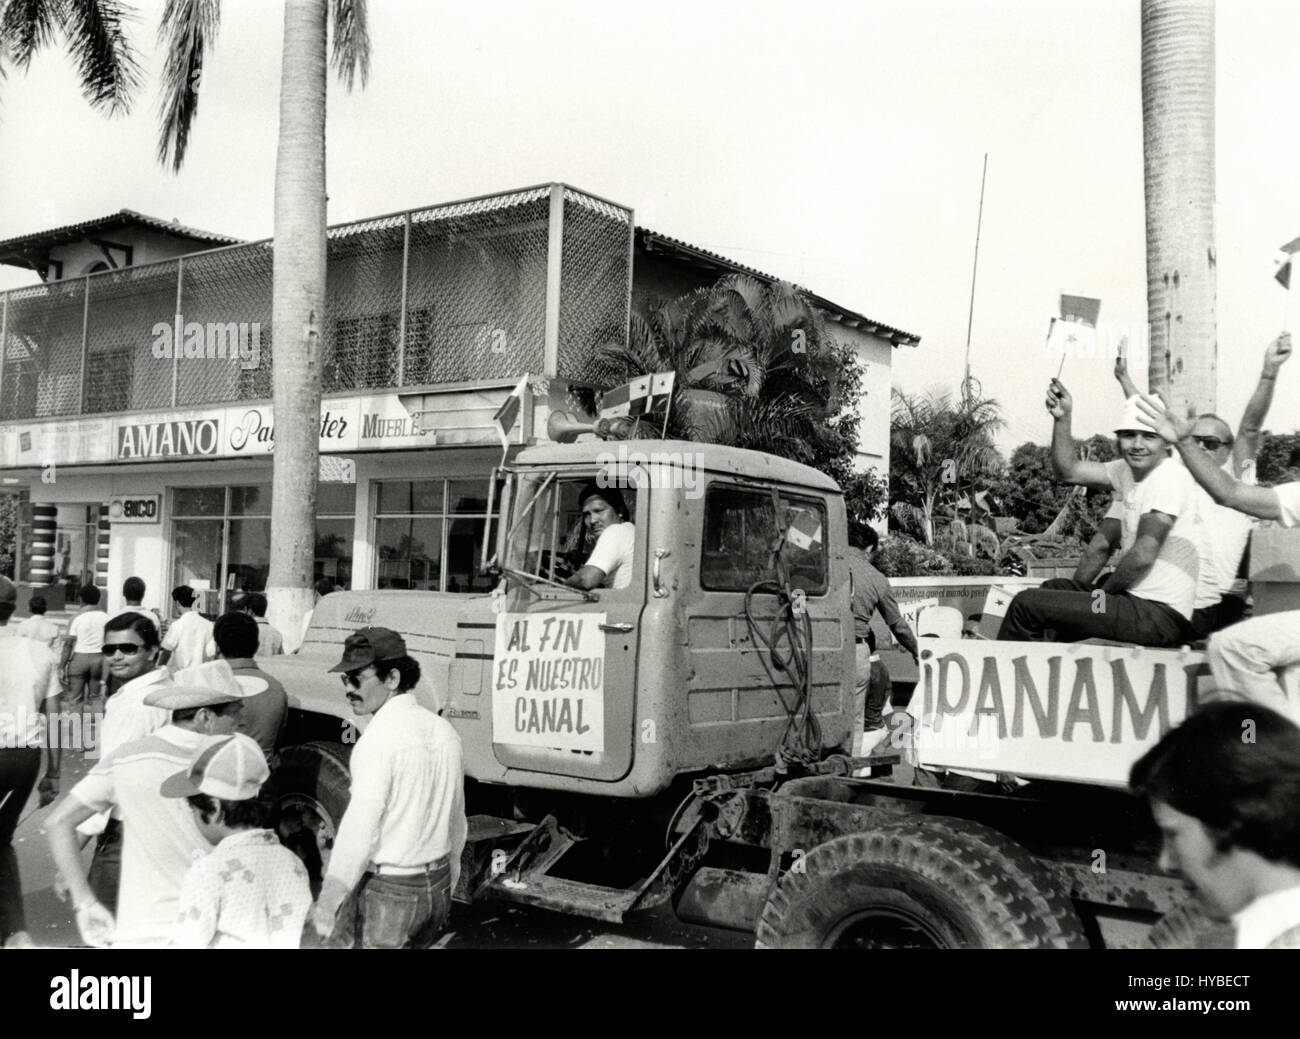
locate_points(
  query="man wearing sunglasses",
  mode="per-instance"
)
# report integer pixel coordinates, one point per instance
(1257, 658)
(130, 653)
(397, 855)
(1227, 530)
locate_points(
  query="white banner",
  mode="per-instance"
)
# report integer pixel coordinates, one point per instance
(1051, 711)
(548, 681)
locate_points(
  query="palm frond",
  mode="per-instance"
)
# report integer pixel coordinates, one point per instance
(187, 31)
(105, 61)
(351, 52)
(26, 26)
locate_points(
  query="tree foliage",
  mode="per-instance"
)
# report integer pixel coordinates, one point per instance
(756, 367)
(1029, 492)
(1273, 464)
(941, 454)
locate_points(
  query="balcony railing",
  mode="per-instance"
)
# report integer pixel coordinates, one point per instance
(485, 289)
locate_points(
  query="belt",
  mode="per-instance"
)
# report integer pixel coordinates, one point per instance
(385, 870)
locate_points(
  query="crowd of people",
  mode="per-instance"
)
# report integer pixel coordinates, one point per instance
(182, 802)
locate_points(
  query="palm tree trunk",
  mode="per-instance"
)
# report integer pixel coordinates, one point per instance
(1178, 159)
(297, 312)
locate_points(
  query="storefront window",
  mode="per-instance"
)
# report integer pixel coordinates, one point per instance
(222, 538)
(429, 535)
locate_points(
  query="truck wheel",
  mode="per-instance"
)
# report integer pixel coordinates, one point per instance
(1189, 926)
(919, 883)
(312, 789)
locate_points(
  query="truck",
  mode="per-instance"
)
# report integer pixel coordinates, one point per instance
(687, 740)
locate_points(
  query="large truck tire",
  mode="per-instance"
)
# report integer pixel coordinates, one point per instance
(920, 883)
(312, 790)
(1189, 926)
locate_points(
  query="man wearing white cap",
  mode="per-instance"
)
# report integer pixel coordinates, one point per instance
(160, 838)
(250, 892)
(1154, 519)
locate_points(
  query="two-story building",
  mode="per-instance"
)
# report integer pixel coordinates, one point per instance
(135, 384)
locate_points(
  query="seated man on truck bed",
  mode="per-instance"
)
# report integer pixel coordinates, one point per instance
(1248, 658)
(1154, 520)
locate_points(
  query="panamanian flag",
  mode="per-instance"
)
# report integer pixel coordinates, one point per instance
(805, 530)
(644, 395)
(508, 414)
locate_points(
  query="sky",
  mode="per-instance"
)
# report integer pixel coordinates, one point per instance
(836, 144)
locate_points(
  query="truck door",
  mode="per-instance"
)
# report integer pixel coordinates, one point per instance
(739, 707)
(564, 664)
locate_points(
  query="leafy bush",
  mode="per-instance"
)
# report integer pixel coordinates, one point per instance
(902, 556)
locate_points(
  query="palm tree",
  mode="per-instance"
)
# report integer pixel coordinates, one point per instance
(1178, 163)
(938, 446)
(754, 362)
(110, 76)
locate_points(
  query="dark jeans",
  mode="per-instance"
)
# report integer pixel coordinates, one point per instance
(395, 912)
(1065, 610)
(18, 770)
(1223, 614)
(105, 874)
(878, 686)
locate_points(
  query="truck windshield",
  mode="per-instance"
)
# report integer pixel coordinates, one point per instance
(547, 537)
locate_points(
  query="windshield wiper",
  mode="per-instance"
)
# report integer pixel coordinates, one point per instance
(527, 578)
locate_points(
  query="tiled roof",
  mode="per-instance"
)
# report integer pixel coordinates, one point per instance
(72, 232)
(652, 242)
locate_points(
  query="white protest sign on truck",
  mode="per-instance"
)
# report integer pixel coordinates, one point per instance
(548, 681)
(1081, 712)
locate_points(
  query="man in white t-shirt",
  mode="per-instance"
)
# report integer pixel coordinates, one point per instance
(1249, 658)
(1224, 601)
(160, 839)
(133, 589)
(189, 639)
(606, 515)
(1154, 521)
(81, 661)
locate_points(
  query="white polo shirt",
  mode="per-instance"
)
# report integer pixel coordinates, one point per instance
(1265, 922)
(159, 838)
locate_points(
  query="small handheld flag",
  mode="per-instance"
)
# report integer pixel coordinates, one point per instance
(508, 414)
(805, 530)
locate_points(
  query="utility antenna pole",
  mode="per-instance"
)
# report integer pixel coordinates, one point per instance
(970, 317)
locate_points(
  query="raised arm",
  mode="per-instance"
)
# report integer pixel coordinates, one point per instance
(1254, 501)
(1070, 468)
(1246, 445)
(1121, 371)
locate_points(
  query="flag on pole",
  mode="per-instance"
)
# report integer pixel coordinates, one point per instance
(805, 530)
(1283, 272)
(1080, 309)
(508, 414)
(661, 392)
(644, 395)
(1074, 333)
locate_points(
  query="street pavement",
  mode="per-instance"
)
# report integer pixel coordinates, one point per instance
(481, 926)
